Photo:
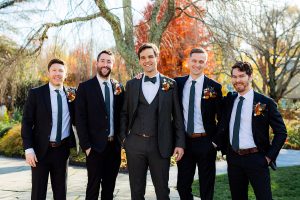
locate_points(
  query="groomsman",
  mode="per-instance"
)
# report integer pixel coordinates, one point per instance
(98, 105)
(151, 126)
(200, 100)
(245, 130)
(47, 133)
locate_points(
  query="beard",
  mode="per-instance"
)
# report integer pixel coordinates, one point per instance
(104, 75)
(241, 86)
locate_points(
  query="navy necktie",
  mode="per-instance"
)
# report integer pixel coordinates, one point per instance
(59, 117)
(190, 122)
(236, 126)
(107, 104)
(152, 80)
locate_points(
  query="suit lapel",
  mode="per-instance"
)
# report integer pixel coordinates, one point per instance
(161, 93)
(256, 99)
(69, 105)
(47, 100)
(230, 106)
(203, 107)
(137, 88)
(98, 91)
(180, 84)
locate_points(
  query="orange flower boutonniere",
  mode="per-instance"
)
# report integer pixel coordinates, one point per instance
(117, 87)
(71, 94)
(166, 85)
(259, 108)
(209, 92)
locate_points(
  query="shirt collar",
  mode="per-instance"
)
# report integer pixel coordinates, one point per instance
(199, 79)
(52, 88)
(101, 80)
(156, 75)
(248, 95)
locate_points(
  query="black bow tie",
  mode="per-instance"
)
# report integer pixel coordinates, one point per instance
(152, 80)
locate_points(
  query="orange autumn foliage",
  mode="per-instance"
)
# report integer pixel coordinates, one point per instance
(183, 34)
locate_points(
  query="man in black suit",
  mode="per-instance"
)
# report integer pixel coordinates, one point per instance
(200, 99)
(47, 133)
(98, 104)
(151, 126)
(245, 132)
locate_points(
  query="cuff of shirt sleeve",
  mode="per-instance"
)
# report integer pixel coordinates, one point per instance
(28, 151)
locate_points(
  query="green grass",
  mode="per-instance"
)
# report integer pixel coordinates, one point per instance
(285, 185)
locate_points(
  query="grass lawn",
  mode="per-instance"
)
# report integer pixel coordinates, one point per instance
(285, 185)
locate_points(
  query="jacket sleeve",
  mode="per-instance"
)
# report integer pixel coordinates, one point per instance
(27, 133)
(81, 117)
(177, 120)
(279, 130)
(124, 116)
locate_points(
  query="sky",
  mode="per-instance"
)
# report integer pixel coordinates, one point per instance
(28, 17)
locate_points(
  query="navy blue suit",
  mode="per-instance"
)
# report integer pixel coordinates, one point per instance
(253, 167)
(200, 151)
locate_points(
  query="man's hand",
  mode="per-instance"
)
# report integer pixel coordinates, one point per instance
(139, 76)
(178, 153)
(87, 152)
(268, 160)
(31, 159)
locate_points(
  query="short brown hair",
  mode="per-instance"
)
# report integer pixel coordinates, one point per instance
(55, 61)
(243, 67)
(198, 50)
(106, 51)
(148, 46)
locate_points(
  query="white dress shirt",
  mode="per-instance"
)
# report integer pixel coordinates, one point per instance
(65, 131)
(101, 81)
(149, 89)
(65, 115)
(245, 134)
(198, 123)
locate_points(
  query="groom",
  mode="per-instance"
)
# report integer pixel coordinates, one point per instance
(151, 126)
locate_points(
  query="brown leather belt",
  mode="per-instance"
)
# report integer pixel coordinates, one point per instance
(197, 135)
(56, 144)
(110, 138)
(242, 152)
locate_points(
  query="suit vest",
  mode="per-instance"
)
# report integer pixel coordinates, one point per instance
(146, 119)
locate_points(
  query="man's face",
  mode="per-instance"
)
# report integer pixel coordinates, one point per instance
(196, 63)
(104, 65)
(240, 80)
(148, 60)
(57, 74)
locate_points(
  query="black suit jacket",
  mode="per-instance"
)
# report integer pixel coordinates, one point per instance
(211, 108)
(170, 124)
(37, 121)
(260, 126)
(91, 116)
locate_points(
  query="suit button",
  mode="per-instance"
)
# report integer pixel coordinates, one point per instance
(105, 117)
(106, 130)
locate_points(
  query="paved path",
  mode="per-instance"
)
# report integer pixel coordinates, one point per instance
(15, 179)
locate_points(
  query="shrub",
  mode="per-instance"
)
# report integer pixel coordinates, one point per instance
(11, 143)
(293, 132)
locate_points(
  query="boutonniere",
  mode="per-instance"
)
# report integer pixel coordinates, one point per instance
(117, 87)
(209, 92)
(71, 94)
(166, 85)
(259, 108)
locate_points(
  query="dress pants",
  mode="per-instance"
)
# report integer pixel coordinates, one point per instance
(252, 168)
(142, 152)
(199, 152)
(102, 168)
(55, 162)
